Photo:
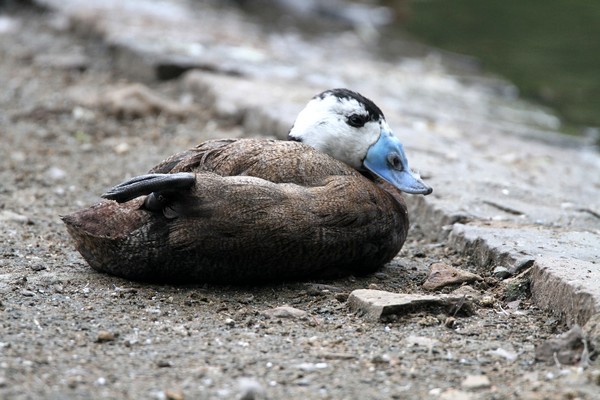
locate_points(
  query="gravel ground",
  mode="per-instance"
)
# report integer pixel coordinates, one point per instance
(68, 332)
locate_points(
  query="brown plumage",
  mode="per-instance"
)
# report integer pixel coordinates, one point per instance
(243, 210)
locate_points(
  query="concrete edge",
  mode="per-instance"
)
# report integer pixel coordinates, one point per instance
(553, 288)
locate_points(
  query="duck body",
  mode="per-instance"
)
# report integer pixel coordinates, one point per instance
(259, 210)
(244, 210)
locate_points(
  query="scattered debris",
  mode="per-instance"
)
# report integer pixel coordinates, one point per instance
(442, 274)
(570, 348)
(374, 304)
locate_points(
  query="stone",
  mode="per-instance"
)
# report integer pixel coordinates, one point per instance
(442, 274)
(105, 336)
(285, 312)
(164, 364)
(172, 394)
(501, 272)
(230, 322)
(570, 348)
(375, 304)
(475, 382)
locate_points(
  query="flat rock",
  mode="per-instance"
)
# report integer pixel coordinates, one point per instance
(285, 312)
(375, 304)
(441, 275)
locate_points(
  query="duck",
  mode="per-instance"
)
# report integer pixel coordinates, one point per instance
(323, 204)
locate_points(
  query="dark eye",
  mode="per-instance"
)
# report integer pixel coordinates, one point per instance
(356, 120)
(395, 161)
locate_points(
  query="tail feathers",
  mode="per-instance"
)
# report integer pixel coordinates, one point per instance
(145, 184)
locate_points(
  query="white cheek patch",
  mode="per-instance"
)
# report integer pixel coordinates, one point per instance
(323, 125)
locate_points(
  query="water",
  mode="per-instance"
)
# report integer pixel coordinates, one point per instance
(549, 48)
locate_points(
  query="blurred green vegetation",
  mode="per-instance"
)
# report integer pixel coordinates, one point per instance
(549, 48)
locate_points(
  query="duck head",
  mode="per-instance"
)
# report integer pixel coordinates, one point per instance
(352, 129)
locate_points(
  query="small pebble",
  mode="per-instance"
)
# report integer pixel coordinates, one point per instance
(381, 359)
(501, 272)
(475, 382)
(163, 364)
(105, 336)
(487, 301)
(171, 394)
(121, 148)
(27, 293)
(450, 322)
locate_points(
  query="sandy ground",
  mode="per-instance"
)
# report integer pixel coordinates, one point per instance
(67, 332)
